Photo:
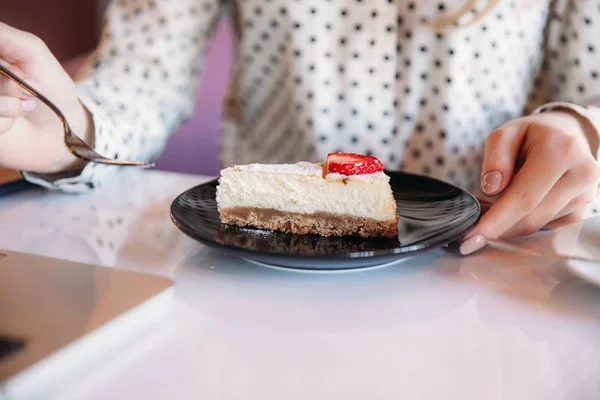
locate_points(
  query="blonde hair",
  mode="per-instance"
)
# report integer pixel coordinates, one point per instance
(454, 19)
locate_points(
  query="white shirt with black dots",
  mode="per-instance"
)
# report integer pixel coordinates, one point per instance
(315, 76)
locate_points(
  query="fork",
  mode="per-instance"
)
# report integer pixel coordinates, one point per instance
(74, 144)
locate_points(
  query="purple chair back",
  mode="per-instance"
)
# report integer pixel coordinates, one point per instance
(194, 148)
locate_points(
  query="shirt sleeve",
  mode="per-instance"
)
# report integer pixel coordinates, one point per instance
(139, 84)
(570, 77)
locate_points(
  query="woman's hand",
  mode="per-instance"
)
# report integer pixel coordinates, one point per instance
(31, 136)
(547, 176)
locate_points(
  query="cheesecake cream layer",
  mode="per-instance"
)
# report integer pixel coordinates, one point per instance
(303, 188)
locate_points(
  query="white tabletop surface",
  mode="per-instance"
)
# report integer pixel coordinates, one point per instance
(438, 326)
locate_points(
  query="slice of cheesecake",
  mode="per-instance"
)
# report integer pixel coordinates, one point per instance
(347, 196)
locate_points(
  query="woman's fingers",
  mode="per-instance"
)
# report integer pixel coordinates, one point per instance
(6, 124)
(563, 199)
(528, 190)
(12, 107)
(553, 186)
(581, 202)
(10, 88)
(588, 177)
(501, 153)
(566, 220)
(524, 208)
(14, 101)
(571, 194)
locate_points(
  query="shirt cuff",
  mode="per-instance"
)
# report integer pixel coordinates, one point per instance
(590, 114)
(93, 174)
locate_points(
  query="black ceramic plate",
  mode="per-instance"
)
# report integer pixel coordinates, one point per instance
(432, 214)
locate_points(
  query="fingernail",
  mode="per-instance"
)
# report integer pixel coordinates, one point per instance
(27, 105)
(490, 184)
(26, 93)
(472, 244)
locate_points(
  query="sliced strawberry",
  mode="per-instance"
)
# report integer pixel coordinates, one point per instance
(352, 164)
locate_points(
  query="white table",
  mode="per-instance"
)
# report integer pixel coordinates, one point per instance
(439, 326)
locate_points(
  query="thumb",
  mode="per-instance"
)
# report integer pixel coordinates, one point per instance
(30, 59)
(20, 47)
(502, 149)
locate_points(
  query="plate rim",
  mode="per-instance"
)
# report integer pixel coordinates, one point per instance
(399, 251)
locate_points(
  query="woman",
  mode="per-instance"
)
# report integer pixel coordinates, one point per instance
(421, 85)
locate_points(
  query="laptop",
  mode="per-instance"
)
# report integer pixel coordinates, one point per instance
(56, 314)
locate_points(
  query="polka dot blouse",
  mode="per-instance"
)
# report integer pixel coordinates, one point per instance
(314, 76)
